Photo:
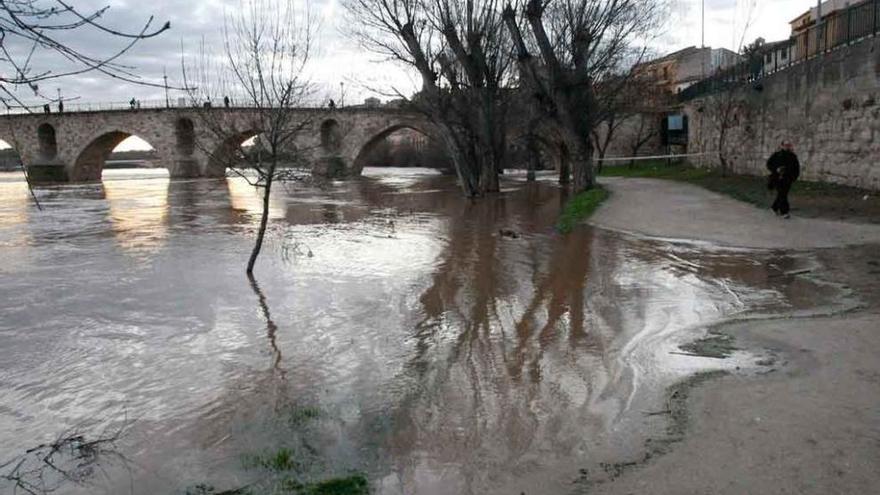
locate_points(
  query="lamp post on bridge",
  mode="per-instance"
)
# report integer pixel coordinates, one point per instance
(165, 78)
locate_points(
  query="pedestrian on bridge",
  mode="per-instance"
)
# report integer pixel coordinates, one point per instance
(226, 102)
(132, 103)
(784, 170)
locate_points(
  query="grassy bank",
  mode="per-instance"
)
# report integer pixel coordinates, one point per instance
(808, 199)
(580, 208)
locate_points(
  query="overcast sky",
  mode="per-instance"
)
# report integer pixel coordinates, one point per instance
(339, 59)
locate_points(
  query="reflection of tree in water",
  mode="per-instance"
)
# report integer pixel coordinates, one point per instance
(498, 312)
(281, 440)
(271, 328)
(516, 358)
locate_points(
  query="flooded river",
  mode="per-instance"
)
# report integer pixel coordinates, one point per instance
(394, 332)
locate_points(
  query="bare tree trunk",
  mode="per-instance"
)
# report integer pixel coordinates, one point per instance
(583, 174)
(534, 157)
(489, 174)
(264, 220)
(564, 166)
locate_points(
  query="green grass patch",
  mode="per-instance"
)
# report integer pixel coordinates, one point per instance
(580, 208)
(300, 416)
(280, 460)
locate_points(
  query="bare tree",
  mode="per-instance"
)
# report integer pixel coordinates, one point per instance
(267, 44)
(722, 105)
(32, 29)
(619, 100)
(645, 130)
(603, 134)
(580, 44)
(462, 55)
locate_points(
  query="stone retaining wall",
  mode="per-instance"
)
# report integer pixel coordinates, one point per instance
(829, 107)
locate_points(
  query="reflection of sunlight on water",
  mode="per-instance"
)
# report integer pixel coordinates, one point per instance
(14, 199)
(138, 209)
(14, 205)
(249, 199)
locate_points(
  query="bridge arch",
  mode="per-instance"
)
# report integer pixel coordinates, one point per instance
(47, 141)
(10, 157)
(369, 144)
(89, 162)
(226, 152)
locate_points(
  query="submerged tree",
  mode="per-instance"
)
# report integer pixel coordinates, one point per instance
(566, 48)
(267, 44)
(462, 54)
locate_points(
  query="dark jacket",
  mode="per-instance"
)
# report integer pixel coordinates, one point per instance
(784, 164)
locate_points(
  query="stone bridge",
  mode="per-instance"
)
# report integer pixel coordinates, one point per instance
(73, 146)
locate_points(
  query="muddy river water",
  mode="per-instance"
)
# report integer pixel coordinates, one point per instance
(394, 332)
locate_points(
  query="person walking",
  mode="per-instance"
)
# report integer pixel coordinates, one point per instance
(784, 170)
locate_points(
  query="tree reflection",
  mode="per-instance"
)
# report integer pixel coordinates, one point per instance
(271, 328)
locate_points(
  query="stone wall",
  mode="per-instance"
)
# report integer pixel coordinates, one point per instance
(644, 128)
(829, 107)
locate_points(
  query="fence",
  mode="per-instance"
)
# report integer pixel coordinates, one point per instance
(836, 30)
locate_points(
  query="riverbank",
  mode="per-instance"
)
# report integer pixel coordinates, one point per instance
(806, 422)
(809, 199)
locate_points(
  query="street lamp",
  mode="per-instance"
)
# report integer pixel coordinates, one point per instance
(165, 78)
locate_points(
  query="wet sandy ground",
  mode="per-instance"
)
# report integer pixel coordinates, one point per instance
(809, 422)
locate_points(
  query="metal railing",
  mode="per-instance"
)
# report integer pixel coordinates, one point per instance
(179, 103)
(836, 30)
(117, 106)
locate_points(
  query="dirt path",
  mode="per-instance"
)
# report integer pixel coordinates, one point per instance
(669, 209)
(812, 424)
